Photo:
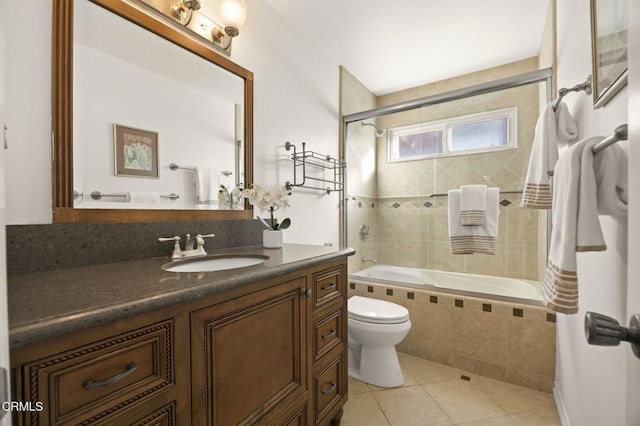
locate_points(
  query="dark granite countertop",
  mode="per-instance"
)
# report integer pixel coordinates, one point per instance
(43, 305)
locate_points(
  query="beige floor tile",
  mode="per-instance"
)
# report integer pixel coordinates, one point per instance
(411, 406)
(357, 387)
(546, 416)
(363, 410)
(462, 402)
(493, 421)
(512, 398)
(425, 372)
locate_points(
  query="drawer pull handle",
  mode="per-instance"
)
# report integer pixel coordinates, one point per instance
(329, 334)
(329, 389)
(327, 287)
(92, 384)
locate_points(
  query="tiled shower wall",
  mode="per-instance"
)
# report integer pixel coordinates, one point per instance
(407, 226)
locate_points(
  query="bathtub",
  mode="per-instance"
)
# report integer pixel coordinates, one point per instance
(481, 286)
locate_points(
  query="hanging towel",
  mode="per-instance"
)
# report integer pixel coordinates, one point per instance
(576, 227)
(611, 167)
(474, 239)
(553, 128)
(207, 184)
(143, 197)
(473, 204)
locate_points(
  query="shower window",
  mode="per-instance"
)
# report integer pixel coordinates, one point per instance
(483, 132)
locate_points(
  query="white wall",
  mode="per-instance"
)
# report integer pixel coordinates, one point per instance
(296, 99)
(590, 380)
(4, 320)
(633, 290)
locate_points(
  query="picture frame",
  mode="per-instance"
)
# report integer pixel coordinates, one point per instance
(609, 48)
(136, 152)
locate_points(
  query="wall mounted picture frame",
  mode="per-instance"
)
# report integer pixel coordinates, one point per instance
(609, 48)
(136, 152)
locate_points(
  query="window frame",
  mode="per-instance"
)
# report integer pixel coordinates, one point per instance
(445, 126)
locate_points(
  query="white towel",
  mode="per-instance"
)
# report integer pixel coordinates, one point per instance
(473, 204)
(474, 239)
(553, 128)
(611, 167)
(143, 197)
(575, 223)
(207, 184)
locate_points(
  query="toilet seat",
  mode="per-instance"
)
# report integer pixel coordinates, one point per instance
(376, 311)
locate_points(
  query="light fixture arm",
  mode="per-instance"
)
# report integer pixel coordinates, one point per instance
(183, 10)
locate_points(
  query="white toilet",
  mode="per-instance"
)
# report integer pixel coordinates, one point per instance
(375, 328)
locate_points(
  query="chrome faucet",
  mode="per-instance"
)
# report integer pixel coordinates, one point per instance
(369, 259)
(194, 246)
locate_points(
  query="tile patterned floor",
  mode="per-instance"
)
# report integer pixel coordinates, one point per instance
(434, 394)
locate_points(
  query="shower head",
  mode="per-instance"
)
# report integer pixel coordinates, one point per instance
(379, 132)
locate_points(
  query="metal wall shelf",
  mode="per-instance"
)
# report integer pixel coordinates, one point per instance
(305, 160)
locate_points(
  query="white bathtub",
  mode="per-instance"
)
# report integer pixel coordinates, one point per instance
(483, 286)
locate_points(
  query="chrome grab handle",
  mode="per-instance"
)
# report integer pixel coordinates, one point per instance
(329, 334)
(330, 389)
(92, 384)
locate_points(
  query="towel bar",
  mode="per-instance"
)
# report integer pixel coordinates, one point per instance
(174, 167)
(97, 195)
(619, 134)
(586, 87)
(443, 194)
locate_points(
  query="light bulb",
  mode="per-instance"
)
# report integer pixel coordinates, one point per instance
(233, 13)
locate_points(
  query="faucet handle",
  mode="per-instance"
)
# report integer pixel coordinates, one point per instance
(206, 235)
(200, 238)
(177, 253)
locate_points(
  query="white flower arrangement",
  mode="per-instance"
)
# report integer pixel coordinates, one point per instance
(269, 199)
(231, 198)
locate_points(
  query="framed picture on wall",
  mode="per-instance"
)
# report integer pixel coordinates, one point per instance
(609, 48)
(136, 151)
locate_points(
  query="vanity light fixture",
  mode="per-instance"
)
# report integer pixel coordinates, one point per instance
(216, 21)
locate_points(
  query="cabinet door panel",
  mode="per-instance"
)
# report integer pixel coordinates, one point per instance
(253, 347)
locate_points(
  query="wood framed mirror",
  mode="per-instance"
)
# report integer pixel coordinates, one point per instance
(64, 210)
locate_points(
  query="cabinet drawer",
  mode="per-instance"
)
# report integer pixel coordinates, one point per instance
(329, 387)
(328, 333)
(93, 381)
(328, 285)
(138, 416)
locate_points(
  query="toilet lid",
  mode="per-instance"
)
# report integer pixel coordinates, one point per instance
(376, 311)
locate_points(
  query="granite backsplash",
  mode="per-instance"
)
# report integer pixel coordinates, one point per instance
(38, 248)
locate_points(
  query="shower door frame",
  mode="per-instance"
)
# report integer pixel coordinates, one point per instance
(539, 76)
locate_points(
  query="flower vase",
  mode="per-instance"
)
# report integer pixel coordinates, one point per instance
(271, 238)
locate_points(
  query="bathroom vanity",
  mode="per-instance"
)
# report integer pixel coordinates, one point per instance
(131, 343)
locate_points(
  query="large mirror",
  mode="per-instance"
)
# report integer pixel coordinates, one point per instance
(148, 121)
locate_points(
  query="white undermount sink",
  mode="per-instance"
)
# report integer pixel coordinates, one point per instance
(215, 263)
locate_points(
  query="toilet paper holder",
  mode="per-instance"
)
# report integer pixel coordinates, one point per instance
(602, 330)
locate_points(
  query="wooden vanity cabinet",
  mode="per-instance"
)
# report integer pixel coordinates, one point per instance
(273, 353)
